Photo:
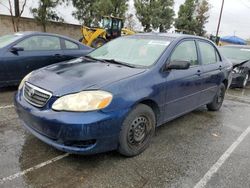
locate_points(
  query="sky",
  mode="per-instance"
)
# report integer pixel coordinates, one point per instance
(235, 17)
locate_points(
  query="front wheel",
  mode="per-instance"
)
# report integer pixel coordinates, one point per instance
(216, 104)
(137, 131)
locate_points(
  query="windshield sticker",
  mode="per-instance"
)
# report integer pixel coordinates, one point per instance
(163, 43)
(245, 49)
(18, 34)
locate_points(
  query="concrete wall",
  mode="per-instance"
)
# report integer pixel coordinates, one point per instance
(28, 24)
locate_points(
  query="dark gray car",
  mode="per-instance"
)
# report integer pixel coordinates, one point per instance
(239, 55)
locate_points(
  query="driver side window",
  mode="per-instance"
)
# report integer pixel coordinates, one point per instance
(186, 51)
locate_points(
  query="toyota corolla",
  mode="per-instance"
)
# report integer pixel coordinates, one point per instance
(114, 98)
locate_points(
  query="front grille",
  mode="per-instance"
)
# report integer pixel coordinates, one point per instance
(80, 144)
(36, 96)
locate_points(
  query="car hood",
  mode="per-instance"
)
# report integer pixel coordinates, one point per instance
(80, 74)
(238, 62)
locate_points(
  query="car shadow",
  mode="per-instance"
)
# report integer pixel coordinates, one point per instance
(7, 95)
(8, 89)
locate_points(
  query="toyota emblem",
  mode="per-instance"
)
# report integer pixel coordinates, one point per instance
(31, 92)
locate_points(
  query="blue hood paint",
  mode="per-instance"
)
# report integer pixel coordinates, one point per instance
(80, 74)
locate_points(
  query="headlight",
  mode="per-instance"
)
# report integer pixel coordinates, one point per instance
(83, 101)
(24, 80)
(238, 70)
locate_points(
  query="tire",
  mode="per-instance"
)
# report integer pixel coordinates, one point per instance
(137, 130)
(245, 80)
(98, 42)
(80, 40)
(216, 104)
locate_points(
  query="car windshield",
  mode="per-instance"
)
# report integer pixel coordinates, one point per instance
(134, 51)
(236, 53)
(8, 39)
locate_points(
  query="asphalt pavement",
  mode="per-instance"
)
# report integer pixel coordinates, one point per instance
(200, 149)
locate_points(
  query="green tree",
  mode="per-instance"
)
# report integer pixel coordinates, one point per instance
(186, 21)
(155, 14)
(202, 17)
(85, 11)
(143, 13)
(192, 17)
(45, 12)
(89, 12)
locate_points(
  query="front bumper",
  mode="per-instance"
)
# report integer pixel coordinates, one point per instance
(237, 79)
(73, 132)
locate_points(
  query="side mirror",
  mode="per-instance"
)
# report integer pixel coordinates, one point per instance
(178, 64)
(14, 50)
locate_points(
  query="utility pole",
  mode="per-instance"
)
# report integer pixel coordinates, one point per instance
(17, 10)
(218, 27)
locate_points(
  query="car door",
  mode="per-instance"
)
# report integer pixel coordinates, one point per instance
(183, 86)
(37, 51)
(212, 70)
(73, 50)
(3, 70)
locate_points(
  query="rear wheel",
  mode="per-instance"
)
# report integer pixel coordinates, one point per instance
(216, 104)
(137, 131)
(98, 42)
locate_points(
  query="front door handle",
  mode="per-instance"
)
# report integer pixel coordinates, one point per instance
(58, 55)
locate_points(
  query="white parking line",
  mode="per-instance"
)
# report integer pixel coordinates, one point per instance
(14, 176)
(239, 97)
(7, 106)
(203, 182)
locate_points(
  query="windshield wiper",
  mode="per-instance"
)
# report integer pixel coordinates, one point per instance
(110, 61)
(118, 62)
(92, 58)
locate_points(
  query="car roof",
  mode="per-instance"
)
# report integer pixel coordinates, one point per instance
(27, 33)
(170, 35)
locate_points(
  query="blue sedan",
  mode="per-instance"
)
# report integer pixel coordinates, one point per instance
(21, 53)
(114, 98)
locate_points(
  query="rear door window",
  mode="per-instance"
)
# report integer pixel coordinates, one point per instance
(208, 53)
(71, 45)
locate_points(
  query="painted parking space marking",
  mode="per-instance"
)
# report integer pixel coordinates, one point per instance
(239, 97)
(19, 174)
(7, 106)
(203, 182)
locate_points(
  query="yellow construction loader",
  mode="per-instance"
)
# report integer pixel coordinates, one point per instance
(111, 28)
